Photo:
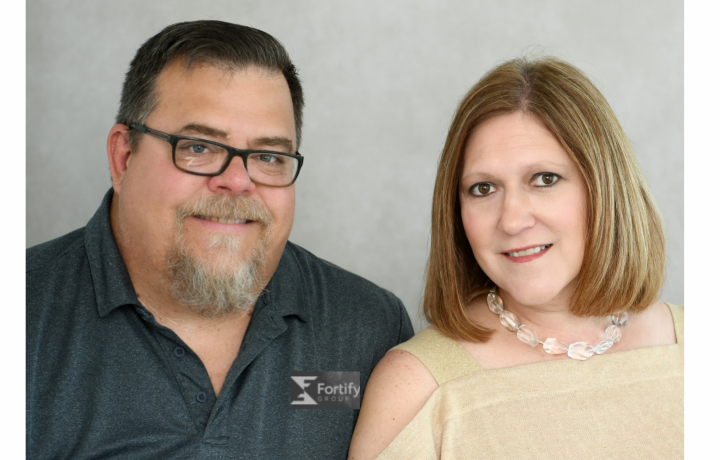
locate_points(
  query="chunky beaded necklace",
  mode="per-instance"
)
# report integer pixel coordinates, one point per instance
(577, 350)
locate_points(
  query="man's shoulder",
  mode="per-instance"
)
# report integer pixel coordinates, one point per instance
(346, 305)
(320, 274)
(46, 253)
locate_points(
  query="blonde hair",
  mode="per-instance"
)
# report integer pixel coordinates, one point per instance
(623, 266)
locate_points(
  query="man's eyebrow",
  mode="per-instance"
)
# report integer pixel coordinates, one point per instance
(195, 128)
(278, 141)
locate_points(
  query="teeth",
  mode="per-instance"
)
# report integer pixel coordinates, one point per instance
(529, 252)
(223, 220)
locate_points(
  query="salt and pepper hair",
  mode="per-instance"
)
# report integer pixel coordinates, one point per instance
(623, 266)
(230, 47)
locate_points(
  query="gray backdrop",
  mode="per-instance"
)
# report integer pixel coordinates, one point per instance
(382, 79)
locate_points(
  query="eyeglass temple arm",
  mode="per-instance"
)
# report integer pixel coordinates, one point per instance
(152, 132)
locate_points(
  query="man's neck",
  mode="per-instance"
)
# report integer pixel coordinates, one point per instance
(216, 341)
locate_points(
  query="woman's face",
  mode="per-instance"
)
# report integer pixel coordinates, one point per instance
(524, 208)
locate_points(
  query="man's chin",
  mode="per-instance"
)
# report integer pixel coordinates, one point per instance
(220, 253)
(219, 279)
(221, 261)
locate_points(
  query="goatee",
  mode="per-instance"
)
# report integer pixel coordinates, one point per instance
(231, 283)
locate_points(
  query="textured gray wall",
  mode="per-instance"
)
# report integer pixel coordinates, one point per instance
(382, 79)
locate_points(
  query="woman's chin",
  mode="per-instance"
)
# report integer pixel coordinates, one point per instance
(529, 295)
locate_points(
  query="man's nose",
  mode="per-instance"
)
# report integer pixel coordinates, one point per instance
(234, 180)
(517, 212)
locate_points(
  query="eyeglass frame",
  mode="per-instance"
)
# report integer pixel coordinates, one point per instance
(232, 152)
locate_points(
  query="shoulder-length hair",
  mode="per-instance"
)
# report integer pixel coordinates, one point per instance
(623, 265)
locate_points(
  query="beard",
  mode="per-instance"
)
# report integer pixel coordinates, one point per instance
(231, 283)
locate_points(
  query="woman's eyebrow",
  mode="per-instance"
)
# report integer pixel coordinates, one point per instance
(539, 166)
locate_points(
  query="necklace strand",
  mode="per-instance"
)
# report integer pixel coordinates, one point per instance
(578, 350)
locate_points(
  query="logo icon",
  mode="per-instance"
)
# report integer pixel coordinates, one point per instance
(303, 382)
(325, 390)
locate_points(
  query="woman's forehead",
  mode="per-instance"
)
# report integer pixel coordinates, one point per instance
(512, 141)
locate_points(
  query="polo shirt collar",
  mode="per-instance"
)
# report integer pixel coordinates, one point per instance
(113, 287)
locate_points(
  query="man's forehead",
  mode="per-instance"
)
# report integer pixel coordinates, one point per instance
(199, 129)
(193, 97)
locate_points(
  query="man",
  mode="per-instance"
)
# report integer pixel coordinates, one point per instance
(170, 325)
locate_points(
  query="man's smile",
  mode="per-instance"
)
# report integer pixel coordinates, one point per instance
(225, 220)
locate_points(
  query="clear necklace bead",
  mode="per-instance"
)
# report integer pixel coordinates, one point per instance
(495, 303)
(613, 333)
(527, 335)
(620, 319)
(555, 347)
(603, 346)
(580, 350)
(509, 321)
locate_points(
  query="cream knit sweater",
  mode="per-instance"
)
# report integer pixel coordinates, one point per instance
(624, 405)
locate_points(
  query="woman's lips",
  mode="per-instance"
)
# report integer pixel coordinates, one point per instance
(527, 254)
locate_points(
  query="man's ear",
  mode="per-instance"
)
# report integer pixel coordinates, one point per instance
(118, 151)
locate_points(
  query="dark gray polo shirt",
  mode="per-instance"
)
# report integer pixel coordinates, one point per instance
(105, 380)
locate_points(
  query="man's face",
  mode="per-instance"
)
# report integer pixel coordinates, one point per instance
(249, 109)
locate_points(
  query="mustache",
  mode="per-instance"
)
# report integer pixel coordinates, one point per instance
(223, 206)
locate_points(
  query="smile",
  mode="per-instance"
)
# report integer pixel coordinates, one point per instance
(527, 252)
(223, 220)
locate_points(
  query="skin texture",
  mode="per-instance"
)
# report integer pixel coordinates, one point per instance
(249, 109)
(518, 188)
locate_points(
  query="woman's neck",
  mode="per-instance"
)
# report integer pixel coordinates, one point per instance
(554, 318)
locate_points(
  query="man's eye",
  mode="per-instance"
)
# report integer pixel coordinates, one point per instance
(269, 158)
(197, 148)
(546, 179)
(482, 189)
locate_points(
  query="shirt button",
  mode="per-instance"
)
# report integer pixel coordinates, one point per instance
(201, 397)
(179, 352)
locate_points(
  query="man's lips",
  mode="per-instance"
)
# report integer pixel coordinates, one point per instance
(225, 220)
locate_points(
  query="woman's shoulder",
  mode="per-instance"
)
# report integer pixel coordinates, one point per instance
(397, 389)
(678, 316)
(402, 383)
(442, 356)
(659, 324)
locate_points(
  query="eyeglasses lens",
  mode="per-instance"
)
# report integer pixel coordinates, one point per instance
(263, 168)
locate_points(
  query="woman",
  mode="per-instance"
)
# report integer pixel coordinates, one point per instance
(546, 338)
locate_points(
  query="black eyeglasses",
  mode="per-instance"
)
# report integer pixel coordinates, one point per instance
(207, 158)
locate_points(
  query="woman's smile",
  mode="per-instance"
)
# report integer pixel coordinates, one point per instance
(527, 254)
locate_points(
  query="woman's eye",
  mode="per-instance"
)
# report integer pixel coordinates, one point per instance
(546, 179)
(482, 189)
